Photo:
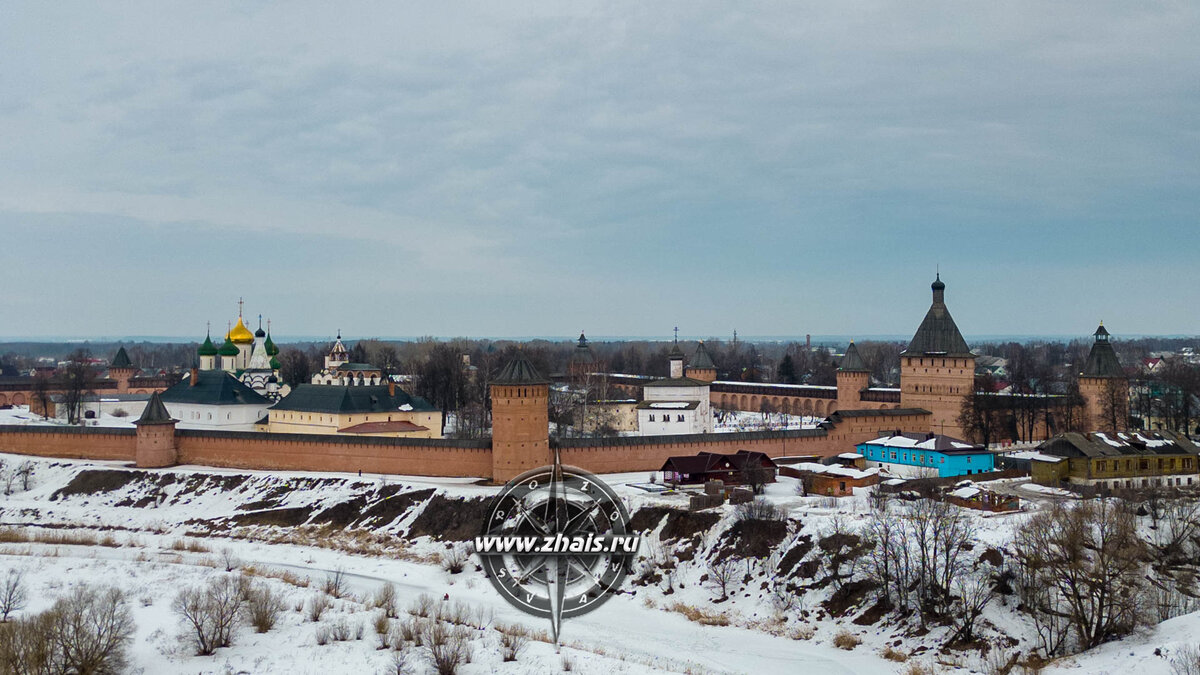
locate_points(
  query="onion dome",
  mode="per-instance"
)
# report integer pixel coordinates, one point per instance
(208, 348)
(938, 284)
(229, 349)
(240, 335)
(260, 332)
(272, 350)
(274, 363)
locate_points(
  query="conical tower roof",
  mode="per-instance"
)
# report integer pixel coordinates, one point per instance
(272, 349)
(701, 360)
(852, 361)
(121, 360)
(583, 354)
(519, 371)
(938, 335)
(155, 412)
(1102, 360)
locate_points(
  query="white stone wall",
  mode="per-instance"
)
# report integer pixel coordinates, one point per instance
(222, 417)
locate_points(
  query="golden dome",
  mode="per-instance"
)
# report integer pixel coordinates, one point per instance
(240, 335)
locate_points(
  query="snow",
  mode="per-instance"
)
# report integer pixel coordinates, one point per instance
(1115, 443)
(1046, 490)
(20, 415)
(672, 405)
(965, 492)
(850, 455)
(835, 470)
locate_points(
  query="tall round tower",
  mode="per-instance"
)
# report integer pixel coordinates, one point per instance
(520, 420)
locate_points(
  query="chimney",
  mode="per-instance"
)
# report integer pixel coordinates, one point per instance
(391, 387)
(195, 375)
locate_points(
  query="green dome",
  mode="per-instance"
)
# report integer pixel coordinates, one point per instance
(274, 363)
(272, 350)
(228, 349)
(207, 349)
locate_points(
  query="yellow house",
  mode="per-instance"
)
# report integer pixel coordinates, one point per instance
(1129, 461)
(362, 410)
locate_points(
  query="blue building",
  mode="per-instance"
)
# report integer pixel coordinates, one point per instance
(912, 455)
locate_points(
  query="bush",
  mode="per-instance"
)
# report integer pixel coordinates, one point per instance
(446, 649)
(85, 632)
(455, 559)
(846, 640)
(12, 594)
(317, 607)
(210, 613)
(1186, 661)
(385, 599)
(263, 608)
(759, 509)
(335, 583)
(893, 655)
(513, 640)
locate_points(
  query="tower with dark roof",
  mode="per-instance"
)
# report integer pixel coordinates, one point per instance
(937, 370)
(853, 377)
(155, 446)
(701, 367)
(122, 369)
(520, 420)
(583, 359)
(1104, 386)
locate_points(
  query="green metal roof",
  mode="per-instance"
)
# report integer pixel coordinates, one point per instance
(121, 360)
(852, 361)
(228, 349)
(272, 350)
(212, 387)
(701, 360)
(938, 335)
(155, 412)
(1102, 360)
(519, 371)
(208, 348)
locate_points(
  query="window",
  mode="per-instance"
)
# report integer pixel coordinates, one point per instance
(893, 454)
(943, 461)
(679, 418)
(651, 417)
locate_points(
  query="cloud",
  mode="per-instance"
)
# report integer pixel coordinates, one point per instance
(626, 164)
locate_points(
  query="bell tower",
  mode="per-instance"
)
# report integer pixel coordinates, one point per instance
(520, 420)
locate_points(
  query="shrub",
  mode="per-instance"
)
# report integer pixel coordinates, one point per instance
(210, 613)
(455, 559)
(893, 655)
(317, 607)
(1186, 661)
(385, 599)
(335, 583)
(263, 607)
(846, 640)
(567, 664)
(422, 606)
(513, 640)
(759, 509)
(446, 649)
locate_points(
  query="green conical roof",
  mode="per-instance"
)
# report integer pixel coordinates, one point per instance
(272, 350)
(228, 349)
(208, 348)
(520, 371)
(938, 334)
(121, 360)
(1102, 361)
(274, 363)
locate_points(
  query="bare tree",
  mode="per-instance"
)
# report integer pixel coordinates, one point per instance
(92, 629)
(43, 387)
(77, 382)
(210, 613)
(721, 574)
(12, 594)
(1090, 560)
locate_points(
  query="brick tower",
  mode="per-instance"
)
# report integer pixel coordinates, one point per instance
(937, 371)
(122, 369)
(853, 377)
(520, 420)
(155, 436)
(1104, 387)
(701, 367)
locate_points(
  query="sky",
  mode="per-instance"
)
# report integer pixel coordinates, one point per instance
(542, 168)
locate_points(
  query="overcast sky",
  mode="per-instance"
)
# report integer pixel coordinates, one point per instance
(513, 168)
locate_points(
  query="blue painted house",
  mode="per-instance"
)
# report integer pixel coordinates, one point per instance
(911, 455)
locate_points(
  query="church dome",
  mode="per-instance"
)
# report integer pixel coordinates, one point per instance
(208, 348)
(272, 350)
(938, 284)
(239, 334)
(274, 363)
(229, 349)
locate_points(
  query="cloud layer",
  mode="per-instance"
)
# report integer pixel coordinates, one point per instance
(534, 168)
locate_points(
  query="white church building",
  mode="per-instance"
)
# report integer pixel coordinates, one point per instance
(675, 405)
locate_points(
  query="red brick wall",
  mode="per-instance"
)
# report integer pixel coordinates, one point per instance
(73, 443)
(304, 452)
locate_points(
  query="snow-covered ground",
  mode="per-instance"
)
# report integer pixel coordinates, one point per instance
(157, 532)
(741, 420)
(20, 415)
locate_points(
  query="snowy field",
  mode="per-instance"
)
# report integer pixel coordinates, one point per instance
(154, 533)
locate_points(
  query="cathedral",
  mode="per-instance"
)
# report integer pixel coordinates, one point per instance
(250, 357)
